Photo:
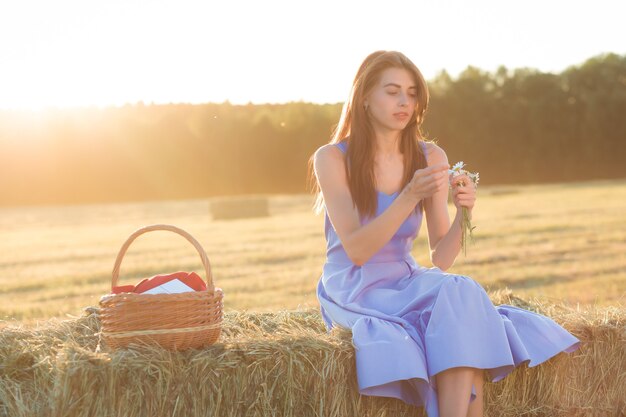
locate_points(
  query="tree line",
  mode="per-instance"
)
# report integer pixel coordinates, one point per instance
(513, 126)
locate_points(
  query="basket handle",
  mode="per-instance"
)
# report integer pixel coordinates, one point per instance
(145, 229)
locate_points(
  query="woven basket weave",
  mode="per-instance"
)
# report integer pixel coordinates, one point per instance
(174, 321)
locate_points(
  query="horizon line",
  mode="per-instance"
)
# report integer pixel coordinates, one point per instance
(142, 102)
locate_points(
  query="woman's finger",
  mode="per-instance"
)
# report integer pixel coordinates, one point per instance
(466, 188)
(464, 177)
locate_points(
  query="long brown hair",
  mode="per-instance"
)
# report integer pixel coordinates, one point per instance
(355, 126)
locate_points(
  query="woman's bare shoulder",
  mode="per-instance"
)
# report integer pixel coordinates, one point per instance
(434, 153)
(328, 161)
(328, 152)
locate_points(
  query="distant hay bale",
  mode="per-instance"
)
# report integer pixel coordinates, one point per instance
(503, 190)
(239, 207)
(284, 364)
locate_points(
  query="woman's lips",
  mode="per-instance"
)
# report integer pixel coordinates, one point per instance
(401, 116)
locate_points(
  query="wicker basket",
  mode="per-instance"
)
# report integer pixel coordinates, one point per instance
(174, 321)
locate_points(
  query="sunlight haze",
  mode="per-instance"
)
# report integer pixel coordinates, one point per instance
(80, 53)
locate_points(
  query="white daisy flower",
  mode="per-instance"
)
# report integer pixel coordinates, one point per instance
(466, 224)
(458, 165)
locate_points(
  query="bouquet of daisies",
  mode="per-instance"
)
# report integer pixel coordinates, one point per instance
(466, 223)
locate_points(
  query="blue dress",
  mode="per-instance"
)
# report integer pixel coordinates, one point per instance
(410, 322)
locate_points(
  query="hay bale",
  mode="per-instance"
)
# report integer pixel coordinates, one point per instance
(239, 207)
(502, 190)
(284, 364)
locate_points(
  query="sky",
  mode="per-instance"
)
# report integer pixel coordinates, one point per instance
(99, 53)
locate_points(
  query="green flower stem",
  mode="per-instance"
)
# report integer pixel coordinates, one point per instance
(466, 227)
(465, 221)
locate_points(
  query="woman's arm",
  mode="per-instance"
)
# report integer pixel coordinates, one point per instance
(360, 242)
(444, 241)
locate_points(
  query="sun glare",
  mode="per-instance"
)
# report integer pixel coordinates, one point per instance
(72, 53)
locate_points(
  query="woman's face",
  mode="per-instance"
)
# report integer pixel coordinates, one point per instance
(395, 93)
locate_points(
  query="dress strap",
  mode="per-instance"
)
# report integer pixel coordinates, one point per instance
(423, 145)
(342, 145)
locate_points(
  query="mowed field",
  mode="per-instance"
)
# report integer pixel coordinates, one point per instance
(560, 242)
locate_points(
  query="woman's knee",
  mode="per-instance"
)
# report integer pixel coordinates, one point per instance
(464, 280)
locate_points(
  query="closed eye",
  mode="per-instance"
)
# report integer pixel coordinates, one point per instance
(393, 93)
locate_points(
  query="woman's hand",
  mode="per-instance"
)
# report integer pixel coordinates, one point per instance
(427, 181)
(463, 192)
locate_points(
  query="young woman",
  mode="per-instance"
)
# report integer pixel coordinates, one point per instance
(422, 335)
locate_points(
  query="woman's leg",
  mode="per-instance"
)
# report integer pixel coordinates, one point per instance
(476, 406)
(454, 389)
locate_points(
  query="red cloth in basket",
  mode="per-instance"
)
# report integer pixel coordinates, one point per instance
(190, 279)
